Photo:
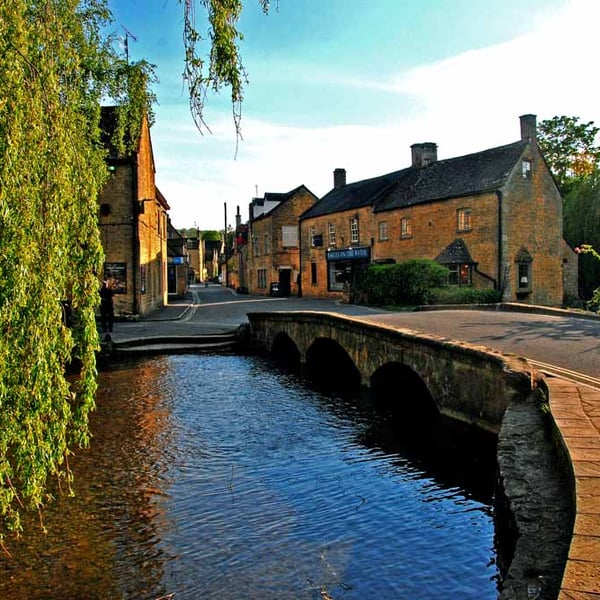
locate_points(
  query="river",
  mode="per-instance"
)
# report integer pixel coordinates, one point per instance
(223, 477)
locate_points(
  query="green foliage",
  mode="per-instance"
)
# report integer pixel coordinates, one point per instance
(570, 148)
(212, 236)
(586, 249)
(223, 66)
(581, 215)
(55, 69)
(466, 295)
(408, 283)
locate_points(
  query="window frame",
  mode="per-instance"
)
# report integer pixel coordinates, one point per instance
(464, 219)
(261, 278)
(331, 233)
(405, 228)
(354, 231)
(383, 230)
(460, 274)
(524, 287)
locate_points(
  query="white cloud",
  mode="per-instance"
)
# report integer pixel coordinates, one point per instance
(464, 103)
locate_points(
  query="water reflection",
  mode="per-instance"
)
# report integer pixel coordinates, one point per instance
(215, 477)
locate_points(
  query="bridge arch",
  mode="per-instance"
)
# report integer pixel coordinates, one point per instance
(285, 350)
(467, 383)
(397, 388)
(329, 364)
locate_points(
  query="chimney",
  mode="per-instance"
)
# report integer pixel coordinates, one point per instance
(423, 154)
(339, 178)
(238, 219)
(528, 128)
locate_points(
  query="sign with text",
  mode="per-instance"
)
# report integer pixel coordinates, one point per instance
(116, 275)
(360, 253)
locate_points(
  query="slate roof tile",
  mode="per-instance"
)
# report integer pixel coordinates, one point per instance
(454, 177)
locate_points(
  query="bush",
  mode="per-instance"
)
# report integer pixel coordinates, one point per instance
(466, 295)
(407, 283)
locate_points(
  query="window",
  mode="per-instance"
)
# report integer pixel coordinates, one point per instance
(313, 234)
(464, 219)
(460, 274)
(339, 274)
(383, 231)
(405, 228)
(255, 246)
(354, 230)
(266, 243)
(331, 229)
(526, 168)
(313, 273)
(262, 278)
(524, 275)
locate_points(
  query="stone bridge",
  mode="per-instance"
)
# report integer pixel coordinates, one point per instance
(464, 382)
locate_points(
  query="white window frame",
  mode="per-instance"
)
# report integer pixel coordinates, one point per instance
(331, 232)
(354, 231)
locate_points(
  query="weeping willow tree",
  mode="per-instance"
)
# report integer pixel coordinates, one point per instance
(213, 61)
(55, 68)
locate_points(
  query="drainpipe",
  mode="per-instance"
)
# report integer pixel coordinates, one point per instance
(299, 282)
(135, 237)
(500, 245)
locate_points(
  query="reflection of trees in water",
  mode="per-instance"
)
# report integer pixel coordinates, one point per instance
(119, 488)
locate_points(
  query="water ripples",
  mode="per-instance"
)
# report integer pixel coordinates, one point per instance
(216, 477)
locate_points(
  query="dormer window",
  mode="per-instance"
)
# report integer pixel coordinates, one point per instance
(526, 168)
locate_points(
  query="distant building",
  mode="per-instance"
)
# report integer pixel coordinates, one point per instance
(133, 225)
(178, 269)
(493, 218)
(273, 236)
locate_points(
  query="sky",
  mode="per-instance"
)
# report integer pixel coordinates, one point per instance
(352, 84)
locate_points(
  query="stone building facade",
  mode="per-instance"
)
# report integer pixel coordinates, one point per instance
(133, 226)
(493, 218)
(272, 255)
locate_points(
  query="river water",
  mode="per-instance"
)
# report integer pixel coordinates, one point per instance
(219, 476)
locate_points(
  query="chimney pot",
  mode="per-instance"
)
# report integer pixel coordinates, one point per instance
(423, 154)
(339, 178)
(528, 128)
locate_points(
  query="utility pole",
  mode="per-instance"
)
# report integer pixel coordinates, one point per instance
(128, 35)
(225, 274)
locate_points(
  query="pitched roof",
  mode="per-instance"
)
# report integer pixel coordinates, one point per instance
(463, 176)
(456, 252)
(454, 177)
(280, 198)
(353, 195)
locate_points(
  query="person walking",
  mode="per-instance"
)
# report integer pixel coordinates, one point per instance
(107, 310)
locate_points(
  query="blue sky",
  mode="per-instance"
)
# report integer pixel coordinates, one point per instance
(352, 84)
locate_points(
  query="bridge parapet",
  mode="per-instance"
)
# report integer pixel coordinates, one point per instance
(469, 383)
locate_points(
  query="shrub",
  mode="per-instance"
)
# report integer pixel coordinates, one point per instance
(466, 295)
(407, 283)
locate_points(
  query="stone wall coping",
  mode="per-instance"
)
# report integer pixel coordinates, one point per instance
(576, 412)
